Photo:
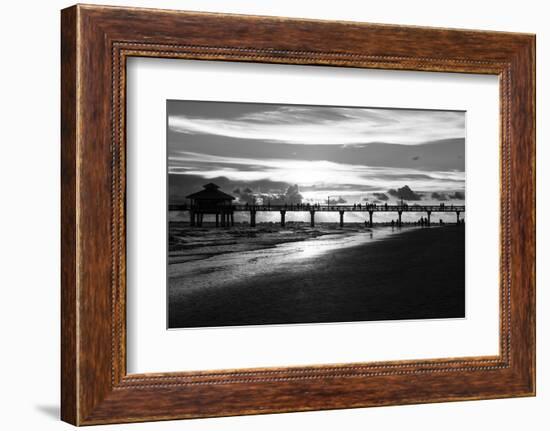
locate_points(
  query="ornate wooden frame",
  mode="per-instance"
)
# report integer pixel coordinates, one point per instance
(96, 41)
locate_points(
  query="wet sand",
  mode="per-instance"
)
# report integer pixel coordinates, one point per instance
(414, 274)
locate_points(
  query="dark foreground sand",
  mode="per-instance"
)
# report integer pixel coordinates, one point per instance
(416, 274)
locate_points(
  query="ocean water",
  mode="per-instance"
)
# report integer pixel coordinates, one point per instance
(225, 268)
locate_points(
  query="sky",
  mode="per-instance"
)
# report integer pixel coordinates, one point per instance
(298, 153)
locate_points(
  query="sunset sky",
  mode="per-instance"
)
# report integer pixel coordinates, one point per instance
(310, 153)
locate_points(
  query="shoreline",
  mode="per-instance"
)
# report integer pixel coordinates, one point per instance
(202, 243)
(188, 244)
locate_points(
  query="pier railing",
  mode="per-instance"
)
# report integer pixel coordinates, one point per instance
(225, 213)
(358, 207)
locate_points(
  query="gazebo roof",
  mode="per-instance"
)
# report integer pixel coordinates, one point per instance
(211, 192)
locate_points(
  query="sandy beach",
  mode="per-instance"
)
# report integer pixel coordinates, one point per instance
(309, 275)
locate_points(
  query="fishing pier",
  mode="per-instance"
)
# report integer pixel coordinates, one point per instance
(215, 202)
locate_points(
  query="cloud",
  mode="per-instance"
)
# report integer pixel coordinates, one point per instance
(310, 175)
(406, 193)
(439, 196)
(381, 196)
(457, 195)
(326, 125)
(245, 195)
(441, 155)
(291, 195)
(340, 200)
(181, 185)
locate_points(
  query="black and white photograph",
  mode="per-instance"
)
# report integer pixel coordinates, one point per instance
(297, 214)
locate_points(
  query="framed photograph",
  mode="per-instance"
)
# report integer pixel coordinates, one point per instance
(313, 214)
(265, 215)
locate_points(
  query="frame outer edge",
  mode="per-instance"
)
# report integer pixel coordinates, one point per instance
(533, 53)
(87, 397)
(530, 62)
(532, 101)
(523, 248)
(69, 202)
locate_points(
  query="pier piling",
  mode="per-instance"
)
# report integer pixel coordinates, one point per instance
(252, 218)
(224, 214)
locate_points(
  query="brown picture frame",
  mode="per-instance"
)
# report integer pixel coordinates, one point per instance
(95, 43)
